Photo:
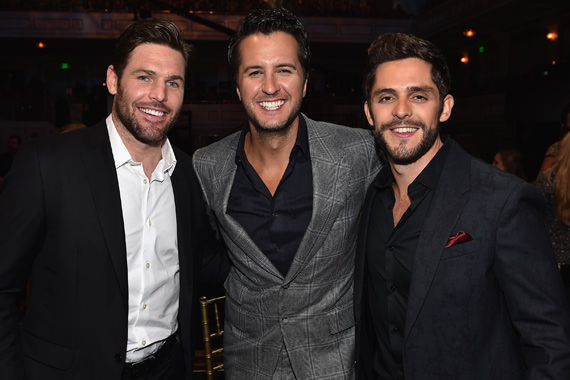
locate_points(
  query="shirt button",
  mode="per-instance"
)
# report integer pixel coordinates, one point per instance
(391, 248)
(143, 342)
(277, 248)
(395, 330)
(275, 215)
(144, 306)
(392, 288)
(145, 181)
(147, 265)
(118, 358)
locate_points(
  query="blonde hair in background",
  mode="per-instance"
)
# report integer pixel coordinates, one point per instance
(561, 168)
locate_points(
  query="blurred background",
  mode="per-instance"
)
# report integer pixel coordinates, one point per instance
(510, 63)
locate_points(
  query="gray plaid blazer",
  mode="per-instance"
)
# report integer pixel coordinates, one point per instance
(309, 312)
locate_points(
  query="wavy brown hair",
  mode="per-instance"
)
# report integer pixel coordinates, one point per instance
(560, 172)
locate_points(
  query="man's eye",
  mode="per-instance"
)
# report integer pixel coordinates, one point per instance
(385, 99)
(143, 78)
(254, 73)
(173, 84)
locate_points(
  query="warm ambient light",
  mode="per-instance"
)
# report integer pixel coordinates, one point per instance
(41, 45)
(469, 33)
(552, 36)
(464, 59)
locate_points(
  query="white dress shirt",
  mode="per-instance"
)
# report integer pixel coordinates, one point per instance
(149, 216)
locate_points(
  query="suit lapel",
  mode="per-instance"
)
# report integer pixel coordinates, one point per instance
(102, 175)
(446, 207)
(222, 182)
(330, 179)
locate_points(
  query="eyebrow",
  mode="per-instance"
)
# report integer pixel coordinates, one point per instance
(153, 73)
(281, 65)
(411, 89)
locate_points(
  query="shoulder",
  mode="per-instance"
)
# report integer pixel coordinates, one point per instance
(339, 138)
(219, 149)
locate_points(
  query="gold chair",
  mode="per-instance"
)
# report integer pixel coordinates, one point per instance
(211, 354)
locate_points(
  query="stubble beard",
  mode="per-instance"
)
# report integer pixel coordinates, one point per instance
(149, 135)
(402, 155)
(267, 133)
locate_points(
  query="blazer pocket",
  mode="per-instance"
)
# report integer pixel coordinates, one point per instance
(461, 249)
(45, 352)
(341, 320)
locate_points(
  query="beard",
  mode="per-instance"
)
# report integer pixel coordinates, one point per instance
(152, 135)
(402, 155)
(266, 132)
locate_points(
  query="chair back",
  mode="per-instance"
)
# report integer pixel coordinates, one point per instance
(212, 325)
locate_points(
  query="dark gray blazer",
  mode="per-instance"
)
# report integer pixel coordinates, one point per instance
(490, 308)
(61, 221)
(309, 310)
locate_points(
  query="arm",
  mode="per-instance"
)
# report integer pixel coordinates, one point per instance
(527, 273)
(21, 223)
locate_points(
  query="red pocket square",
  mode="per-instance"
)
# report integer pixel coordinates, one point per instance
(461, 237)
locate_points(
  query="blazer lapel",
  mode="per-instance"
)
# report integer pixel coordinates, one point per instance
(222, 186)
(446, 207)
(102, 175)
(330, 178)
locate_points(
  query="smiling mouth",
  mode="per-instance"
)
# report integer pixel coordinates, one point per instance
(152, 112)
(272, 106)
(404, 129)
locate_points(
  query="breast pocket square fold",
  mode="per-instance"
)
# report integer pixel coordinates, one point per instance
(461, 237)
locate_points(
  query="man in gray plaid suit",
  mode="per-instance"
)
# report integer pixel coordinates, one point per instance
(286, 194)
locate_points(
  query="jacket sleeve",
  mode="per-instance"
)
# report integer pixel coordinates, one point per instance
(528, 276)
(22, 230)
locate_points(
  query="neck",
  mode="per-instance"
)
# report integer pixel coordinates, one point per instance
(148, 155)
(404, 175)
(264, 147)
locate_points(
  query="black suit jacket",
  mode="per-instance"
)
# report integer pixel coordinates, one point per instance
(61, 221)
(490, 308)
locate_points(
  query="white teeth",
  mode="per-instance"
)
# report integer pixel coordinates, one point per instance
(152, 112)
(272, 105)
(404, 130)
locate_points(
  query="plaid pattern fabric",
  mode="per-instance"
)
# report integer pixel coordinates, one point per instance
(309, 312)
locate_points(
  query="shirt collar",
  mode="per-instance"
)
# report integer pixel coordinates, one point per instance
(121, 154)
(302, 141)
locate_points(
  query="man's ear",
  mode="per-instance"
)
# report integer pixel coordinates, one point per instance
(447, 106)
(112, 80)
(368, 113)
(238, 92)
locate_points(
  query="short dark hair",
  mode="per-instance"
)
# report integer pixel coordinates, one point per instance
(148, 31)
(396, 46)
(267, 21)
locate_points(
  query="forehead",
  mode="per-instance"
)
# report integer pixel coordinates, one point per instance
(154, 56)
(277, 45)
(404, 73)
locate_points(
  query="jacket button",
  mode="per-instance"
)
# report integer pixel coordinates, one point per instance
(118, 358)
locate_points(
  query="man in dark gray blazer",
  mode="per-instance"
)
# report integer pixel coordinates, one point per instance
(106, 221)
(455, 276)
(286, 194)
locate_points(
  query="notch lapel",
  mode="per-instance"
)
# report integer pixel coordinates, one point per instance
(100, 170)
(330, 186)
(447, 205)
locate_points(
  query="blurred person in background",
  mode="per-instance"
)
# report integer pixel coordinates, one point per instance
(554, 183)
(510, 160)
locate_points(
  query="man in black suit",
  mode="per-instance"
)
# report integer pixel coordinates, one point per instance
(107, 222)
(455, 276)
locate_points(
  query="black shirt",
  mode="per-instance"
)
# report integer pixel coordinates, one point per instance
(390, 253)
(275, 223)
